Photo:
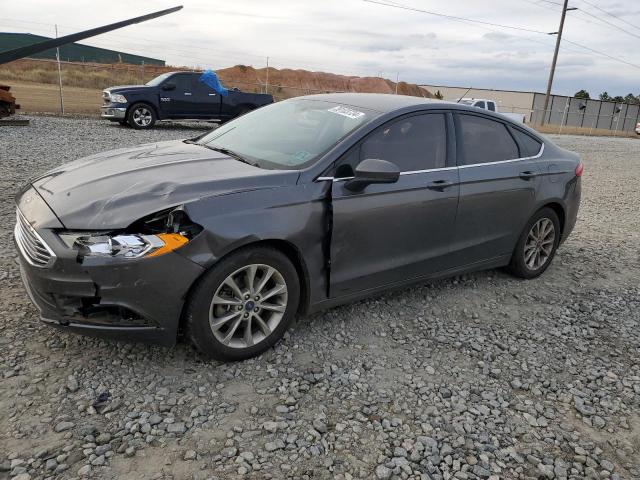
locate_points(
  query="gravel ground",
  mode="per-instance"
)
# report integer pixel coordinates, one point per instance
(479, 376)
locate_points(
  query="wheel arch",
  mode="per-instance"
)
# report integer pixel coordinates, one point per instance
(559, 210)
(291, 251)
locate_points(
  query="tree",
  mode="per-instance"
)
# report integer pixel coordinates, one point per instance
(604, 96)
(582, 94)
(631, 99)
(618, 99)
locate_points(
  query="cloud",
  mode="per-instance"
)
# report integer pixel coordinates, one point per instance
(357, 38)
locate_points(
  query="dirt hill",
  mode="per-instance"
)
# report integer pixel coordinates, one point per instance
(287, 83)
(283, 83)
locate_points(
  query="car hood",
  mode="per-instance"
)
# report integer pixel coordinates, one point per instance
(111, 190)
(127, 87)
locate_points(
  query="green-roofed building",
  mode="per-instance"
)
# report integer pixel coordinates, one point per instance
(73, 52)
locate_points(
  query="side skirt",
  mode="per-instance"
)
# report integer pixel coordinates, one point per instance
(496, 262)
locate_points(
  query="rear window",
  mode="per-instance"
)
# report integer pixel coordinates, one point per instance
(484, 140)
(531, 146)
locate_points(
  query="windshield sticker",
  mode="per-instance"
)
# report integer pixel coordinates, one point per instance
(347, 112)
(301, 156)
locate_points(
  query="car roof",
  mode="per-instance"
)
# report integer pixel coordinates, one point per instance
(380, 102)
(385, 103)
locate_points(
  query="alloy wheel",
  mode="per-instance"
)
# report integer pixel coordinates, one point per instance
(248, 306)
(142, 116)
(539, 244)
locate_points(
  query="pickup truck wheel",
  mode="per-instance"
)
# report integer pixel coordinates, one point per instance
(243, 305)
(141, 116)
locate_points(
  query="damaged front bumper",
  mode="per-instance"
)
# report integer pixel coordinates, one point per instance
(126, 299)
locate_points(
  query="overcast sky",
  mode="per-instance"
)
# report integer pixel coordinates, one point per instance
(357, 38)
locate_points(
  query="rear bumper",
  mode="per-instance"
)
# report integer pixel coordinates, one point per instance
(572, 207)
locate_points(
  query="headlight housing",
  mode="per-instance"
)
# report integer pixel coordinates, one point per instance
(151, 236)
(128, 245)
(118, 98)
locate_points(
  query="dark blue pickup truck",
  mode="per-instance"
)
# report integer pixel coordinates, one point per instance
(176, 95)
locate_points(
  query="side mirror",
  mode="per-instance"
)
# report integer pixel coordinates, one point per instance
(169, 86)
(371, 171)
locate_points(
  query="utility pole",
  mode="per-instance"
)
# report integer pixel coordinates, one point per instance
(266, 85)
(555, 58)
(59, 75)
(397, 79)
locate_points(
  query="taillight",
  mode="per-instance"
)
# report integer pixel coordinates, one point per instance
(579, 169)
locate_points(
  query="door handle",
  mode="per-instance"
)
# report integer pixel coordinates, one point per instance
(439, 185)
(527, 175)
(187, 93)
(212, 94)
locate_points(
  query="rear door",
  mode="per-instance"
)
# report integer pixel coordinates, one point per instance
(390, 233)
(498, 185)
(205, 101)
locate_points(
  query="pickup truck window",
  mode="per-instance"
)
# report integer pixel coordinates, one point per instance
(182, 81)
(154, 82)
(480, 105)
(491, 106)
(288, 135)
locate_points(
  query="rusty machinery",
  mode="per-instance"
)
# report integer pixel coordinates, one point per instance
(8, 104)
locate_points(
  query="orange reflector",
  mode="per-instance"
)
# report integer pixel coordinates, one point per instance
(171, 242)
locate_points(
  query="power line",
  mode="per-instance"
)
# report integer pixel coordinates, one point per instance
(601, 20)
(607, 22)
(610, 14)
(470, 20)
(453, 17)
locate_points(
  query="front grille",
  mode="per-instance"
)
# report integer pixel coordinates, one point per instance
(31, 245)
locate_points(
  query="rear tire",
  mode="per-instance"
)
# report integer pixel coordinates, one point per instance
(233, 313)
(536, 246)
(141, 116)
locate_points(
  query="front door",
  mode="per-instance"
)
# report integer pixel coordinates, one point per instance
(177, 102)
(387, 234)
(498, 184)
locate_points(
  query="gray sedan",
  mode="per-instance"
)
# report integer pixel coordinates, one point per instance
(298, 206)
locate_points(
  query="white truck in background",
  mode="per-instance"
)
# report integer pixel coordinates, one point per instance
(490, 105)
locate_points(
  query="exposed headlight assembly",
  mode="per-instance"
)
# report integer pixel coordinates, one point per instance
(127, 245)
(162, 233)
(118, 98)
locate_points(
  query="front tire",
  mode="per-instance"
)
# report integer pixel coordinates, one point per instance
(537, 245)
(141, 116)
(243, 305)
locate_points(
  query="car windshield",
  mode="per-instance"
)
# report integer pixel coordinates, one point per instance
(287, 135)
(158, 80)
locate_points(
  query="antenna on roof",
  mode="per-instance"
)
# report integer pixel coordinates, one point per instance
(464, 94)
